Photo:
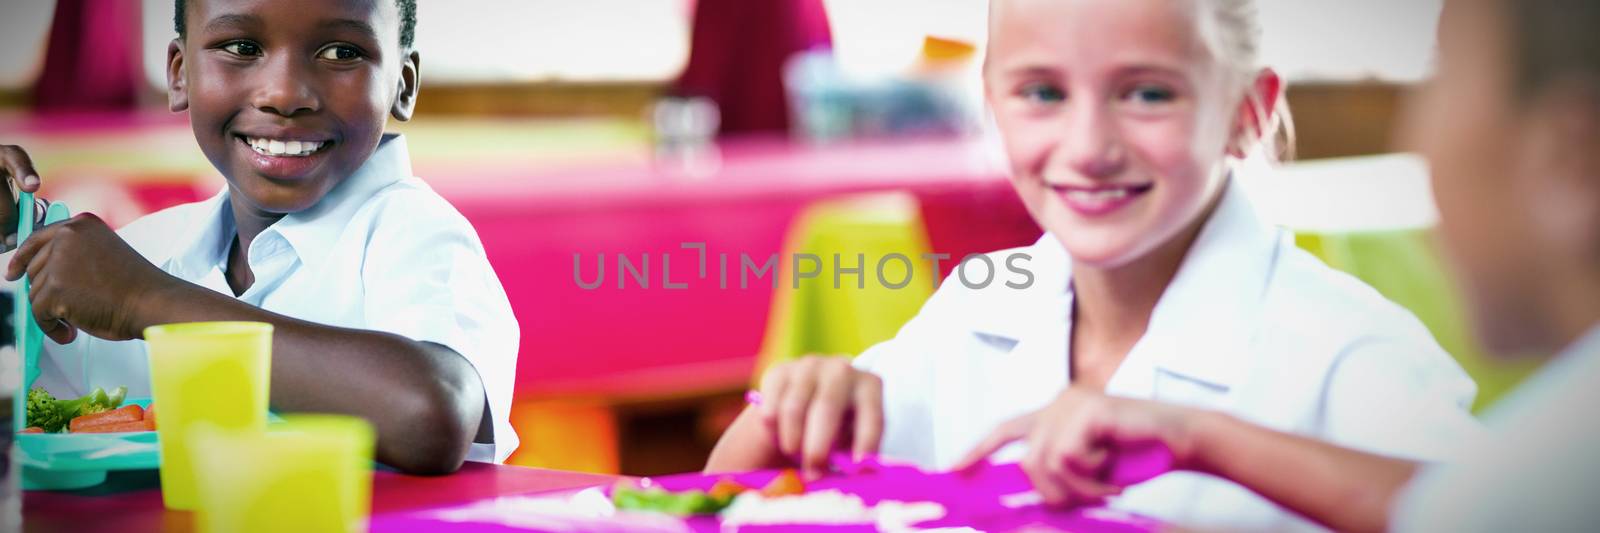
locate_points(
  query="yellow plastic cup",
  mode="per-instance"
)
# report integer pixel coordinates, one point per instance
(309, 474)
(205, 372)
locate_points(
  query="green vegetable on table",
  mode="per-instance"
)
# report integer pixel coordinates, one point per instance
(686, 503)
(52, 415)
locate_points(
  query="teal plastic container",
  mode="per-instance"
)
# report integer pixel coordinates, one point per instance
(60, 461)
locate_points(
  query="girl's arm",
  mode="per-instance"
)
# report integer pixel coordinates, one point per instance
(1070, 441)
(1344, 489)
(809, 407)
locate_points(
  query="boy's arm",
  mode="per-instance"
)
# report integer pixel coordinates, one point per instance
(425, 400)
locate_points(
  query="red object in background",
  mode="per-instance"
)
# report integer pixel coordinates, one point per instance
(92, 62)
(736, 57)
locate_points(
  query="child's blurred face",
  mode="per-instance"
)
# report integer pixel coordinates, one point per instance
(289, 97)
(1465, 123)
(1115, 116)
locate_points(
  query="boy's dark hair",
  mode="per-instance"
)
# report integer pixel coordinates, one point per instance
(1554, 41)
(408, 20)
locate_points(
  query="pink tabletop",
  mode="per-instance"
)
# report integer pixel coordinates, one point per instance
(131, 501)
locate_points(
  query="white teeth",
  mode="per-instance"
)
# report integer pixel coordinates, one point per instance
(280, 148)
(1097, 196)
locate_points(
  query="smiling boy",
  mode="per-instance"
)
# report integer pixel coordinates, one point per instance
(383, 303)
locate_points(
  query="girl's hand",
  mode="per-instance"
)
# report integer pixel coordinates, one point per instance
(17, 168)
(806, 404)
(83, 276)
(1073, 442)
(802, 416)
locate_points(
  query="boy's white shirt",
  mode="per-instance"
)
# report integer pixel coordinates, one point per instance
(382, 251)
(1538, 470)
(1251, 325)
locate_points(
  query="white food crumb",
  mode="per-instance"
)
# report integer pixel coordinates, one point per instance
(827, 507)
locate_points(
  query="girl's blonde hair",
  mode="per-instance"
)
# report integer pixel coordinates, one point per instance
(1231, 30)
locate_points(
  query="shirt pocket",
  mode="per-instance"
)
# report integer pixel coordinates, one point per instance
(1183, 389)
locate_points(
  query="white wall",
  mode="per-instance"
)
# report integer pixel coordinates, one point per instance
(1302, 39)
(463, 41)
(23, 28)
(518, 40)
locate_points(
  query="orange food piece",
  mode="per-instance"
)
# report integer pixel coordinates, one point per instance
(126, 413)
(786, 484)
(150, 416)
(726, 488)
(33, 429)
(116, 427)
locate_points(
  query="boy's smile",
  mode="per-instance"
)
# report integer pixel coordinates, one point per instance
(287, 98)
(286, 154)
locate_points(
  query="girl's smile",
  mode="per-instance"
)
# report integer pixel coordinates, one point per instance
(1100, 200)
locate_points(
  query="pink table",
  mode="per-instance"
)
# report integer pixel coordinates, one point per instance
(131, 501)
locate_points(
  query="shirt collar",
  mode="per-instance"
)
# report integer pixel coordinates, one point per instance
(203, 244)
(312, 233)
(1214, 301)
(1216, 298)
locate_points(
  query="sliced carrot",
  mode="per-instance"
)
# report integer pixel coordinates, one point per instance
(33, 429)
(116, 427)
(726, 489)
(786, 484)
(150, 416)
(126, 413)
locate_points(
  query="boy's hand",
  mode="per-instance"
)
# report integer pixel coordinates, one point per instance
(83, 276)
(17, 168)
(1071, 441)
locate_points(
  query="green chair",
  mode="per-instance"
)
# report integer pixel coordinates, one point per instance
(1405, 267)
(818, 317)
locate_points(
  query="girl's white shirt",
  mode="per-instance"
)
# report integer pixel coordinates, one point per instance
(1251, 325)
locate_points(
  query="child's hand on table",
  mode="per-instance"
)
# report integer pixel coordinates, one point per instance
(83, 276)
(805, 406)
(16, 167)
(1072, 441)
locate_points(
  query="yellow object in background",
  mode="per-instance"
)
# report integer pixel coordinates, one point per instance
(205, 372)
(309, 474)
(1405, 267)
(943, 49)
(864, 309)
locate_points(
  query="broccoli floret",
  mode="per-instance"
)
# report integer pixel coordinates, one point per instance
(52, 415)
(42, 411)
